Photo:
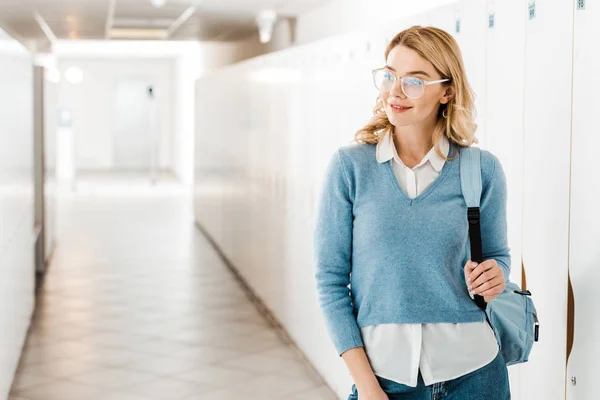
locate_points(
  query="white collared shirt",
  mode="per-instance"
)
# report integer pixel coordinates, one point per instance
(442, 351)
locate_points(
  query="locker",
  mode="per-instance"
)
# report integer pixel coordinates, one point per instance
(519, 60)
(582, 340)
(472, 39)
(504, 104)
(548, 71)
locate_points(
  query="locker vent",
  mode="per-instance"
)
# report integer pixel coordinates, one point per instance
(491, 20)
(581, 4)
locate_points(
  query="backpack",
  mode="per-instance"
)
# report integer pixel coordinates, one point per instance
(512, 315)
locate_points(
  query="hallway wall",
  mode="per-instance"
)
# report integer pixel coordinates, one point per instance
(16, 205)
(92, 105)
(176, 64)
(268, 127)
(337, 17)
(17, 269)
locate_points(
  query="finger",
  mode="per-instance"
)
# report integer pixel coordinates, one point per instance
(495, 283)
(481, 268)
(487, 276)
(485, 281)
(494, 291)
(489, 298)
(469, 266)
(492, 296)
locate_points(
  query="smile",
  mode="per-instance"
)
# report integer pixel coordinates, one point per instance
(398, 108)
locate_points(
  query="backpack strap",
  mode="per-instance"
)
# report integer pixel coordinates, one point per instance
(470, 182)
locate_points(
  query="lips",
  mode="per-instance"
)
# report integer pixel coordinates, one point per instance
(399, 107)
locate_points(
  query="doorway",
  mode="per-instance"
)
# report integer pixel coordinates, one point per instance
(136, 136)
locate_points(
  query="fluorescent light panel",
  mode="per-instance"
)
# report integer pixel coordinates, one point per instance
(137, 33)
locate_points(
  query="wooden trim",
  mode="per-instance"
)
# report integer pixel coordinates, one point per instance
(523, 276)
(570, 318)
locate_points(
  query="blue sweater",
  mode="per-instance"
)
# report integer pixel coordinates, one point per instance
(382, 257)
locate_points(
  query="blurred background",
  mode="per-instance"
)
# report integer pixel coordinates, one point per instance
(161, 160)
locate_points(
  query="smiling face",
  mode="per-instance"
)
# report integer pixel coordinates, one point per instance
(403, 111)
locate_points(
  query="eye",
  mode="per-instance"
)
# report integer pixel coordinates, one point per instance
(388, 76)
(413, 81)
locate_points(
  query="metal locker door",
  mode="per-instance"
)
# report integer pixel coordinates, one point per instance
(504, 102)
(548, 70)
(584, 319)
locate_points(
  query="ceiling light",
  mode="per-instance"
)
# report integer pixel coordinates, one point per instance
(74, 75)
(265, 20)
(138, 33)
(157, 3)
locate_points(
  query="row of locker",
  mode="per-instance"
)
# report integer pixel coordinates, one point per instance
(26, 200)
(16, 205)
(266, 128)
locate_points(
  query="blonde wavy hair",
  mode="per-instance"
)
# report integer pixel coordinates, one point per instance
(438, 47)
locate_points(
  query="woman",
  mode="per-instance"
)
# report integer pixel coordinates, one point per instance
(392, 224)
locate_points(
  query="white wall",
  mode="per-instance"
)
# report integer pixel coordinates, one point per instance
(91, 103)
(16, 205)
(337, 17)
(178, 64)
(259, 167)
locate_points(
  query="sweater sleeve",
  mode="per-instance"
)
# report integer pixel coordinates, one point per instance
(332, 252)
(494, 240)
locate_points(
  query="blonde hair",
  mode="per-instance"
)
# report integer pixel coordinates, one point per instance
(438, 47)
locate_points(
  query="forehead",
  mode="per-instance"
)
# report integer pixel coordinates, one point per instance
(403, 59)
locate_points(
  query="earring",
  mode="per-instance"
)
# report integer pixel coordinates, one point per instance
(445, 113)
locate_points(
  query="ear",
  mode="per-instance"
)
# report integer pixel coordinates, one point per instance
(448, 95)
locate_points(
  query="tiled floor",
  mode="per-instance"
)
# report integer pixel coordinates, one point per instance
(137, 306)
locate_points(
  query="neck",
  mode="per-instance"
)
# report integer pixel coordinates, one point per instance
(413, 142)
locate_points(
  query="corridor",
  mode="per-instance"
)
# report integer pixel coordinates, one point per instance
(137, 305)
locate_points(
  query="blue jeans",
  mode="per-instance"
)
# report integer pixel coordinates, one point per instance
(489, 382)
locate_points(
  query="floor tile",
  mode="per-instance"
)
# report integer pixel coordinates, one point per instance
(61, 368)
(319, 393)
(282, 386)
(163, 365)
(168, 389)
(218, 376)
(137, 305)
(27, 379)
(113, 378)
(62, 390)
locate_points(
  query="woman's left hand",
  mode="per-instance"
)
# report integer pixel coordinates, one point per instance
(485, 279)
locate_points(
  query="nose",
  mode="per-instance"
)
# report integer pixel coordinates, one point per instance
(396, 90)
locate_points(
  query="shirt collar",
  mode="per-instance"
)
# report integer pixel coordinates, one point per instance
(387, 151)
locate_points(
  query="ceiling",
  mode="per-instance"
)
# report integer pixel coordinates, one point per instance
(205, 20)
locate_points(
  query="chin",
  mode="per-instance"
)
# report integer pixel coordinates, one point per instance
(399, 121)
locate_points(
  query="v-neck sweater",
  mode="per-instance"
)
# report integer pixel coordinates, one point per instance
(382, 257)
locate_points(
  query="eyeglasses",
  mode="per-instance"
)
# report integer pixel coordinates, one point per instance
(412, 87)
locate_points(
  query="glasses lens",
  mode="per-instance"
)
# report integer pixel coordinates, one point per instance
(384, 80)
(413, 87)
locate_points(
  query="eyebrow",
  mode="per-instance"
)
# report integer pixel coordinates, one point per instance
(410, 72)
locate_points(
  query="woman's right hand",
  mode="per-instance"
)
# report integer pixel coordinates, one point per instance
(376, 394)
(366, 385)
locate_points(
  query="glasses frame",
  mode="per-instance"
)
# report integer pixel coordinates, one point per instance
(396, 78)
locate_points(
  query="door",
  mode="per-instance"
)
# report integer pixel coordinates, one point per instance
(135, 133)
(583, 341)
